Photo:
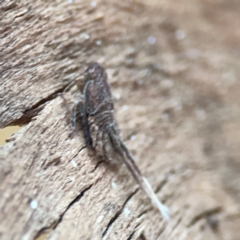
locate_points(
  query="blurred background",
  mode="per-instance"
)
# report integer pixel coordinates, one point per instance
(6, 133)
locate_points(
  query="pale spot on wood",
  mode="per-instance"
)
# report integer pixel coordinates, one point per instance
(74, 163)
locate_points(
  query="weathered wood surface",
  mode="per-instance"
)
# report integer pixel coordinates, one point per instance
(171, 105)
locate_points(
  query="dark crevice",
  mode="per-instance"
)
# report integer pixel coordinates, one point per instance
(204, 214)
(132, 234)
(79, 151)
(10, 6)
(142, 213)
(78, 198)
(142, 237)
(44, 231)
(97, 165)
(112, 220)
(54, 162)
(35, 109)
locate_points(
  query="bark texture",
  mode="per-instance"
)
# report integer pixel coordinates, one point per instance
(174, 71)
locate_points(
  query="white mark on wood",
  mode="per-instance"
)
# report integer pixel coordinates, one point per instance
(27, 236)
(133, 137)
(73, 163)
(126, 211)
(26, 47)
(33, 204)
(98, 42)
(117, 96)
(114, 186)
(125, 108)
(100, 218)
(93, 4)
(85, 35)
(151, 40)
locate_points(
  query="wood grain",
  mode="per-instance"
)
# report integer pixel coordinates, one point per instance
(50, 186)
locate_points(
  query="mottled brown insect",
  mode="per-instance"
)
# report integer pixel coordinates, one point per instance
(101, 130)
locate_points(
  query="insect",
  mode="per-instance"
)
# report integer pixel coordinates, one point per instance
(100, 129)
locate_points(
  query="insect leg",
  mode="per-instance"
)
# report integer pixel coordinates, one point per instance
(77, 105)
(85, 125)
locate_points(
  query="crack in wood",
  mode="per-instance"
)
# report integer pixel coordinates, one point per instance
(133, 232)
(143, 213)
(28, 114)
(131, 235)
(78, 198)
(54, 225)
(97, 165)
(54, 162)
(43, 232)
(118, 213)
